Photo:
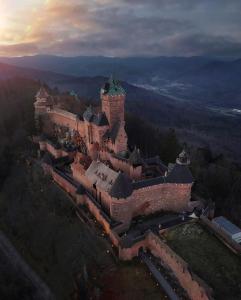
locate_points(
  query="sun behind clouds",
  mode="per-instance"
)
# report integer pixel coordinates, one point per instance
(120, 27)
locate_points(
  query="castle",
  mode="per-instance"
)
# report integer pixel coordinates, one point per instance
(90, 153)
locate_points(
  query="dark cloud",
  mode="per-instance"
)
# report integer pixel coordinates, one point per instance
(137, 27)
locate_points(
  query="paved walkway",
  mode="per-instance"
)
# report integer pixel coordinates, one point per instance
(159, 277)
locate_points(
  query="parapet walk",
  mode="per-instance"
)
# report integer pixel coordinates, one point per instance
(196, 288)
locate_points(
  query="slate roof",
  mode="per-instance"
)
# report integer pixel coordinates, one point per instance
(183, 158)
(100, 119)
(42, 93)
(122, 187)
(101, 175)
(48, 159)
(113, 132)
(179, 174)
(88, 115)
(112, 88)
(74, 94)
(116, 184)
(80, 190)
(156, 161)
(148, 182)
(135, 157)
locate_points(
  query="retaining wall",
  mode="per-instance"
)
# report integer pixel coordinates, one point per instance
(195, 287)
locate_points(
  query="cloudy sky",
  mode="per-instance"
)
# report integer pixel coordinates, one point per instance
(120, 27)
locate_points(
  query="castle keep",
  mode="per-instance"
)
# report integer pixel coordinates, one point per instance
(90, 153)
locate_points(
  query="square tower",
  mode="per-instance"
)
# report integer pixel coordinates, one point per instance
(113, 101)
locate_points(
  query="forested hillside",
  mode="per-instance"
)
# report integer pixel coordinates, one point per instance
(194, 122)
(216, 176)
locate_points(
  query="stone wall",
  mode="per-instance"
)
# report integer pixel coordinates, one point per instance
(148, 200)
(122, 164)
(121, 140)
(114, 107)
(164, 196)
(63, 118)
(98, 214)
(144, 201)
(64, 183)
(195, 287)
(56, 153)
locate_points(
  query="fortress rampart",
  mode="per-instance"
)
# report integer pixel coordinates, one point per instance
(195, 287)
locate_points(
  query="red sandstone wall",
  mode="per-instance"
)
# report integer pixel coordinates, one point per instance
(122, 165)
(167, 197)
(98, 132)
(62, 118)
(97, 214)
(66, 185)
(40, 109)
(57, 153)
(80, 177)
(196, 288)
(121, 139)
(121, 210)
(113, 108)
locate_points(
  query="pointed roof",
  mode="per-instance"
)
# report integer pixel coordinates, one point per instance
(47, 159)
(135, 157)
(122, 187)
(88, 114)
(183, 158)
(42, 93)
(101, 175)
(113, 132)
(116, 184)
(112, 88)
(100, 119)
(74, 94)
(80, 190)
(179, 174)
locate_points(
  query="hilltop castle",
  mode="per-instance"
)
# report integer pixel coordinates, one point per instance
(89, 157)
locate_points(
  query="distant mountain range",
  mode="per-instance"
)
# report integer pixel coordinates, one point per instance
(209, 81)
(88, 87)
(194, 120)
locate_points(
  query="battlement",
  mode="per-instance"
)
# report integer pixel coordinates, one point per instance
(123, 183)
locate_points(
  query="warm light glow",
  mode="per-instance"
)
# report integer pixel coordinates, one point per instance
(3, 20)
(119, 27)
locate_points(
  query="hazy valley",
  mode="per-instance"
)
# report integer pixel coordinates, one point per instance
(200, 97)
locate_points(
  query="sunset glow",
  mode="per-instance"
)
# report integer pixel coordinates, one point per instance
(119, 28)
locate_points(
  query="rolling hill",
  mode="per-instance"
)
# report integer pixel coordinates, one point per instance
(194, 122)
(208, 81)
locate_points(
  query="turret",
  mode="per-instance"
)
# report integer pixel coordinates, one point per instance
(113, 101)
(183, 158)
(43, 101)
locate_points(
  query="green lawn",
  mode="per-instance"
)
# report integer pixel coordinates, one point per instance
(208, 258)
